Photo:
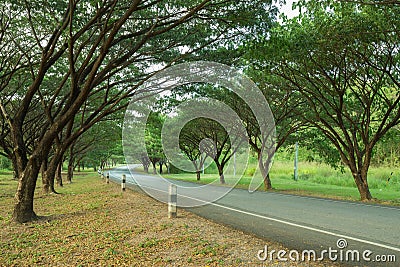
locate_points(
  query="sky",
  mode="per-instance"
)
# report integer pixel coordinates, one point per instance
(287, 9)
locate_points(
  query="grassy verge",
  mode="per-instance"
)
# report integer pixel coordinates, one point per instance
(317, 180)
(93, 223)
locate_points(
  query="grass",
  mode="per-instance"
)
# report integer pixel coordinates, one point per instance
(92, 223)
(316, 179)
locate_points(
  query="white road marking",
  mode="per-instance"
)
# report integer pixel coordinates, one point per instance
(337, 201)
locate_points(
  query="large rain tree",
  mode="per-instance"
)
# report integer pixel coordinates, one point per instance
(342, 59)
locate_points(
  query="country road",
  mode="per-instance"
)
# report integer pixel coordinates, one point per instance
(300, 223)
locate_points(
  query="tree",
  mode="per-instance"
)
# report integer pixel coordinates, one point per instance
(195, 149)
(280, 101)
(220, 139)
(78, 53)
(342, 62)
(282, 105)
(153, 140)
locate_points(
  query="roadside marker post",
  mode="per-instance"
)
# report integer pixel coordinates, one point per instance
(172, 199)
(123, 182)
(108, 178)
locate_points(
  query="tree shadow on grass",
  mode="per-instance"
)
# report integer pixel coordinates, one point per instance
(55, 217)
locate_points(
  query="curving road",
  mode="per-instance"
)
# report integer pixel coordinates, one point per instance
(301, 223)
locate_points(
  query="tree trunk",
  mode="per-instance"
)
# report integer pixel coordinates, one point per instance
(59, 175)
(265, 171)
(221, 173)
(198, 175)
(49, 175)
(267, 182)
(45, 177)
(23, 209)
(360, 178)
(161, 170)
(146, 168)
(154, 168)
(15, 167)
(167, 166)
(359, 168)
(15, 175)
(70, 173)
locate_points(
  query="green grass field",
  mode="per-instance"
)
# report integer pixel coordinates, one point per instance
(315, 179)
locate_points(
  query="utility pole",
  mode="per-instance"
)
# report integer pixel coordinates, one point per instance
(202, 160)
(296, 158)
(234, 164)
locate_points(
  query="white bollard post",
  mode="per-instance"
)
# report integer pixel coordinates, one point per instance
(123, 182)
(172, 199)
(108, 178)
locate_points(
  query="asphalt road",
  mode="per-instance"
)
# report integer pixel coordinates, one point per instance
(299, 223)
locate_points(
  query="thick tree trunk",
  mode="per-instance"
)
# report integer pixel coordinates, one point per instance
(49, 176)
(265, 171)
(161, 169)
(267, 182)
(198, 175)
(45, 177)
(146, 168)
(359, 168)
(360, 178)
(59, 175)
(23, 209)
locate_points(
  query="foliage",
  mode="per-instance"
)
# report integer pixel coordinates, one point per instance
(153, 138)
(76, 63)
(341, 60)
(5, 163)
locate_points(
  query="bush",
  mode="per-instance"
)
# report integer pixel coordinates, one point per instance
(5, 163)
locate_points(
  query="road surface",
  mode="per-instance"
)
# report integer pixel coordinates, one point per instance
(297, 222)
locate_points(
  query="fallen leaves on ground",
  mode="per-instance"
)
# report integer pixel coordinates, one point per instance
(92, 223)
